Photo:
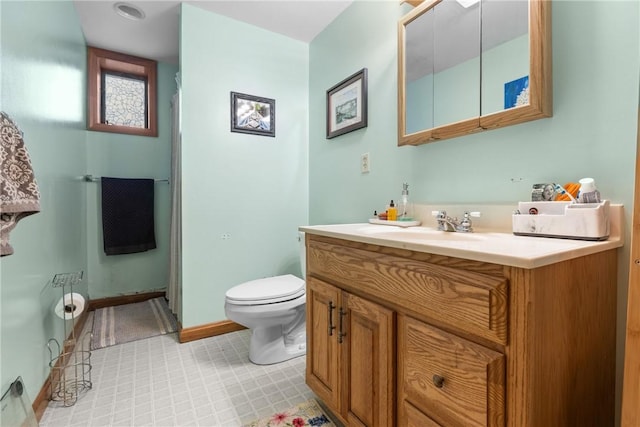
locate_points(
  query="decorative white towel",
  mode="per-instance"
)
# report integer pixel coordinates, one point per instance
(19, 195)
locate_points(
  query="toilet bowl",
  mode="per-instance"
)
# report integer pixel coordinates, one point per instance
(274, 309)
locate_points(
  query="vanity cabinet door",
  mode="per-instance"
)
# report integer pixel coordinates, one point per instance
(451, 380)
(350, 355)
(322, 373)
(367, 351)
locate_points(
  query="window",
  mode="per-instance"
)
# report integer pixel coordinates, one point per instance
(122, 93)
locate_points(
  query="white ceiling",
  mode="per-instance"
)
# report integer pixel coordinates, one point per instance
(156, 37)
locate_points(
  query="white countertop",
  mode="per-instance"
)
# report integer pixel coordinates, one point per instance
(486, 246)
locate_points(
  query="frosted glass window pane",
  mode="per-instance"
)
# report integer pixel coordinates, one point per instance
(124, 101)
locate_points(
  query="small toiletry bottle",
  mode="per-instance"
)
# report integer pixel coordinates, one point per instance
(588, 192)
(392, 212)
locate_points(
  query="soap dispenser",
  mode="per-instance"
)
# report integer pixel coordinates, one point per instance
(405, 208)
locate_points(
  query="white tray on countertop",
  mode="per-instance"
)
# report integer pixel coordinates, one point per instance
(396, 223)
(580, 221)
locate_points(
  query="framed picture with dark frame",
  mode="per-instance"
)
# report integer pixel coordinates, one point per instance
(253, 114)
(347, 105)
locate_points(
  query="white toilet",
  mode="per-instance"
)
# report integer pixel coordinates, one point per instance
(274, 309)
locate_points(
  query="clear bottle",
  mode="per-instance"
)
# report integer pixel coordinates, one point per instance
(392, 212)
(405, 208)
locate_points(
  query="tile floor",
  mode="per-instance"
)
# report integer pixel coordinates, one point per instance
(160, 382)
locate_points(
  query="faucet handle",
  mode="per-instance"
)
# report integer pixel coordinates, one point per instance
(439, 213)
(465, 224)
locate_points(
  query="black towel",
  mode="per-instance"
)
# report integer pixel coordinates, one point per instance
(127, 215)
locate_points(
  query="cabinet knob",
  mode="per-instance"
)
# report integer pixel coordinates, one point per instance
(438, 381)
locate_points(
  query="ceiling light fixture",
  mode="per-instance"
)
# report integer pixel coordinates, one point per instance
(129, 11)
(467, 3)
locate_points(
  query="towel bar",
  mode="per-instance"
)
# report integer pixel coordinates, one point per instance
(91, 178)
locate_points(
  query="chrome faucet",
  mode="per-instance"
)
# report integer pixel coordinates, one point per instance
(447, 223)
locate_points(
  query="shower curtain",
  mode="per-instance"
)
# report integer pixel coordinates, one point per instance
(174, 288)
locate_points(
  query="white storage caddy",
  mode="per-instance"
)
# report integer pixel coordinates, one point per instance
(582, 221)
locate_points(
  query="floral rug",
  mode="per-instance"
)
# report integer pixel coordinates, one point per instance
(308, 413)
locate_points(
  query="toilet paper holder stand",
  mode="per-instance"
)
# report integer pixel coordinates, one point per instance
(70, 363)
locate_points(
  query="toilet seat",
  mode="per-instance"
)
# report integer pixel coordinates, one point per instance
(269, 290)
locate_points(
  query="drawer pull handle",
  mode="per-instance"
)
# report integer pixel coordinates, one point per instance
(331, 327)
(438, 381)
(340, 333)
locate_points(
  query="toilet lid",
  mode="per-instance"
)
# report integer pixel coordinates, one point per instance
(267, 291)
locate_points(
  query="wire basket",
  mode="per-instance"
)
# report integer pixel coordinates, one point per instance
(70, 369)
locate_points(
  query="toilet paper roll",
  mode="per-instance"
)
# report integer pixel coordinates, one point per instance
(69, 306)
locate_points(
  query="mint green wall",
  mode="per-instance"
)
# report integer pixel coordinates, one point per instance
(253, 188)
(43, 90)
(595, 65)
(129, 156)
(592, 132)
(364, 35)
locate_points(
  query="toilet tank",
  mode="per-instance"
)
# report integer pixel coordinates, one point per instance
(303, 255)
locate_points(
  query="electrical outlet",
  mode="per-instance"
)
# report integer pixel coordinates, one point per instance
(225, 236)
(365, 164)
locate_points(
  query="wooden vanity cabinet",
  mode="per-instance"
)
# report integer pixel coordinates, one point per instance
(350, 355)
(431, 340)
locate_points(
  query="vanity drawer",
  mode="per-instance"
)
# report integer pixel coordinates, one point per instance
(410, 416)
(451, 380)
(469, 301)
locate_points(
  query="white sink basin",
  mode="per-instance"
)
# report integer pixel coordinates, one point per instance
(417, 233)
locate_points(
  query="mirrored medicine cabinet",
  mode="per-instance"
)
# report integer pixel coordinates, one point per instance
(466, 66)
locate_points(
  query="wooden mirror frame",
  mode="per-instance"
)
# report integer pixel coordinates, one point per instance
(540, 81)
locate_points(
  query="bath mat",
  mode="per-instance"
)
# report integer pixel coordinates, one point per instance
(131, 322)
(308, 413)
